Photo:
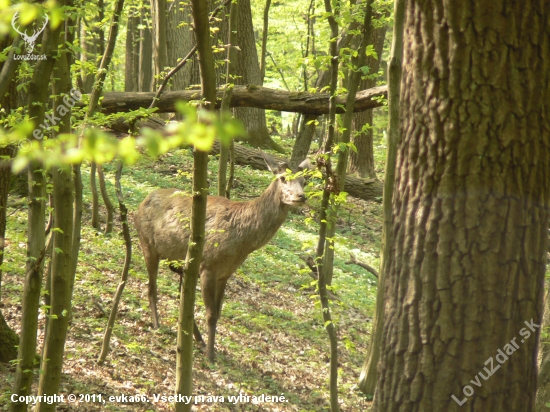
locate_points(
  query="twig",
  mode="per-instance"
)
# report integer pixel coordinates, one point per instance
(278, 69)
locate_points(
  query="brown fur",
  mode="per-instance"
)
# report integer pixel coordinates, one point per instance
(233, 230)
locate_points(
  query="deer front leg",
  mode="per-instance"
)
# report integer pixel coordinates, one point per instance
(208, 287)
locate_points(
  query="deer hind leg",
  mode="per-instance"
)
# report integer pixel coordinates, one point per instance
(212, 295)
(152, 263)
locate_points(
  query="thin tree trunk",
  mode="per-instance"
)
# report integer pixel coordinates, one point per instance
(105, 195)
(230, 73)
(306, 132)
(264, 41)
(95, 197)
(362, 161)
(323, 226)
(61, 281)
(8, 338)
(308, 125)
(186, 319)
(368, 377)
(8, 341)
(38, 92)
(8, 102)
(10, 65)
(61, 273)
(543, 378)
(543, 385)
(92, 108)
(92, 41)
(125, 269)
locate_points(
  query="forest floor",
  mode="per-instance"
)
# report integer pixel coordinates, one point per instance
(270, 337)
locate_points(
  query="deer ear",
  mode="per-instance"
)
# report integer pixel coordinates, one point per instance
(274, 166)
(306, 164)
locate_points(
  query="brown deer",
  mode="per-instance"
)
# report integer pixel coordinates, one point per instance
(233, 231)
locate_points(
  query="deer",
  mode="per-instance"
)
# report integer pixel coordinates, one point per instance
(233, 230)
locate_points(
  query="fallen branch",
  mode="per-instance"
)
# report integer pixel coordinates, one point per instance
(366, 189)
(353, 261)
(245, 96)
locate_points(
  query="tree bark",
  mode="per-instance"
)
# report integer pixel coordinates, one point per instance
(61, 272)
(61, 293)
(470, 209)
(38, 92)
(369, 372)
(158, 20)
(145, 52)
(246, 96)
(131, 63)
(179, 41)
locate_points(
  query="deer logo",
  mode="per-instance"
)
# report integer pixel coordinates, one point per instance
(30, 40)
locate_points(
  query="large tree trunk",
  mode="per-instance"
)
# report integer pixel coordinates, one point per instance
(369, 372)
(38, 92)
(248, 68)
(145, 52)
(362, 162)
(158, 20)
(178, 42)
(464, 287)
(131, 64)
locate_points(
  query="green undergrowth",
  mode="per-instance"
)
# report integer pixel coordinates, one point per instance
(271, 338)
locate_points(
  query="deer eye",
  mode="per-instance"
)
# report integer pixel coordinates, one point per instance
(283, 179)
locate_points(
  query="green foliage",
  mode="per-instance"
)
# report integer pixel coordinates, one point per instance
(101, 147)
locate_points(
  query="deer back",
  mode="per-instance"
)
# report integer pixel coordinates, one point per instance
(233, 229)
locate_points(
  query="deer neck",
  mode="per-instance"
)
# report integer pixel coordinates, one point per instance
(268, 214)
